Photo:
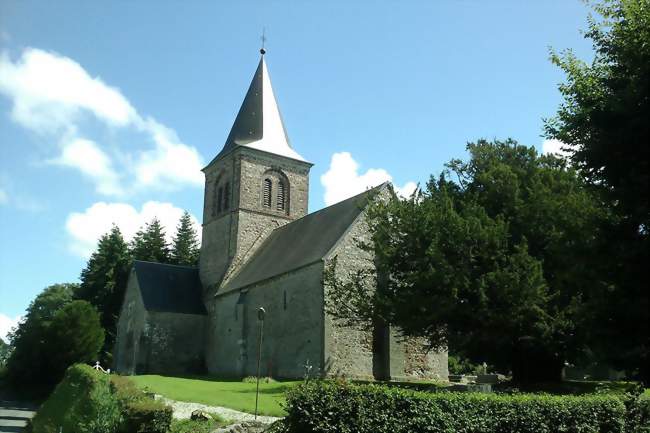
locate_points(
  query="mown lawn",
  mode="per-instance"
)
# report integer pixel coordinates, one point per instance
(233, 394)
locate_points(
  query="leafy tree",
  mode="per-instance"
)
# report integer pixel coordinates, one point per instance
(149, 243)
(28, 364)
(74, 335)
(604, 122)
(4, 352)
(185, 246)
(493, 264)
(103, 284)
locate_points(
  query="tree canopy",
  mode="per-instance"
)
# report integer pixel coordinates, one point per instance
(185, 245)
(604, 123)
(491, 263)
(149, 243)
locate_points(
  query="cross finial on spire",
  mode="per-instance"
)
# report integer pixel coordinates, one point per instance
(262, 50)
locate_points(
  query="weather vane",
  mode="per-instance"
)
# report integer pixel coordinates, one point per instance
(262, 50)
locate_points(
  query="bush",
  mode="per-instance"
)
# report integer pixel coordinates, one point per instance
(147, 416)
(325, 407)
(87, 401)
(81, 403)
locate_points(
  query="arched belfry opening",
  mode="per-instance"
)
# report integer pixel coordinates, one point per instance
(275, 191)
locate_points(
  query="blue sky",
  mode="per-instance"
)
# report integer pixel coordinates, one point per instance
(108, 109)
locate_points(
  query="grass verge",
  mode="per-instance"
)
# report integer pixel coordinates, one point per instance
(233, 394)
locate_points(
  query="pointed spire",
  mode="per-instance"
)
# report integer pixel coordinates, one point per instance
(259, 123)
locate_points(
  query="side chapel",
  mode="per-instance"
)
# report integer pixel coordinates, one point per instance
(260, 248)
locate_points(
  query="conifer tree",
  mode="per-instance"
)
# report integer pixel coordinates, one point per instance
(149, 243)
(103, 283)
(185, 247)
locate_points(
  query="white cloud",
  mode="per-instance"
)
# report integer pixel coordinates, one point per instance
(342, 180)
(50, 91)
(4, 198)
(6, 325)
(86, 156)
(85, 228)
(555, 147)
(51, 94)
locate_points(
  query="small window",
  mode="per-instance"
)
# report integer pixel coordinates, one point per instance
(219, 199)
(267, 193)
(280, 202)
(285, 299)
(226, 196)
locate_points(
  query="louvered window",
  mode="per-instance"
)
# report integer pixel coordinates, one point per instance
(219, 199)
(226, 196)
(280, 202)
(266, 197)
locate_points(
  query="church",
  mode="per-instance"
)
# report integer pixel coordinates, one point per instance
(261, 249)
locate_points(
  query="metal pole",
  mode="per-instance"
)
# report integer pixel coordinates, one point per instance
(260, 315)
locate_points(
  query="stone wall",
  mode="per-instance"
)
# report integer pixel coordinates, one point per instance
(230, 237)
(293, 328)
(176, 342)
(350, 351)
(130, 330)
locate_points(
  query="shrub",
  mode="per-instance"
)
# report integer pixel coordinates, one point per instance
(325, 407)
(146, 416)
(81, 403)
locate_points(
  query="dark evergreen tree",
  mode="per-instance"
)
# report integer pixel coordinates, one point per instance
(604, 122)
(149, 243)
(185, 246)
(103, 284)
(494, 265)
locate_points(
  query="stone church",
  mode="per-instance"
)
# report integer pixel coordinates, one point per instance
(261, 248)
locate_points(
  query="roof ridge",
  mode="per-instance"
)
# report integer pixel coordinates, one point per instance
(165, 264)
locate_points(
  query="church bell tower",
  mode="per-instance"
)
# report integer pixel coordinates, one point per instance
(255, 184)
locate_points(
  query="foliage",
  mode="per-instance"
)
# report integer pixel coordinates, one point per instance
(28, 367)
(604, 123)
(75, 335)
(146, 416)
(103, 283)
(149, 243)
(461, 365)
(196, 426)
(5, 350)
(498, 261)
(233, 394)
(339, 407)
(81, 403)
(185, 245)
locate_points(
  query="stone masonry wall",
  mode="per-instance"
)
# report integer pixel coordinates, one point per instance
(130, 328)
(176, 343)
(293, 328)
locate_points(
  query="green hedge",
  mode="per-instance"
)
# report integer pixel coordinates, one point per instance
(87, 401)
(324, 407)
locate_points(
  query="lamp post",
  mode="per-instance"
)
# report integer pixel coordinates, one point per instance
(260, 316)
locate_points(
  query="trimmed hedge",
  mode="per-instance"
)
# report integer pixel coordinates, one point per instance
(324, 407)
(147, 416)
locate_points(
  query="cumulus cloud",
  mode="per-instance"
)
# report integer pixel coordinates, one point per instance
(85, 228)
(51, 95)
(86, 156)
(7, 323)
(555, 147)
(342, 180)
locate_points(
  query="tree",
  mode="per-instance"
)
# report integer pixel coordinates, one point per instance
(28, 366)
(4, 353)
(493, 265)
(149, 243)
(185, 246)
(604, 123)
(103, 284)
(74, 335)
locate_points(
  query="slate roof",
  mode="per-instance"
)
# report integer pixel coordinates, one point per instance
(259, 124)
(169, 288)
(301, 242)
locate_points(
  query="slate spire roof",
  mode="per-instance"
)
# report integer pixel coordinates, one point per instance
(259, 123)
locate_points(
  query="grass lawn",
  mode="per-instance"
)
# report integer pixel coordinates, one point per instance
(233, 394)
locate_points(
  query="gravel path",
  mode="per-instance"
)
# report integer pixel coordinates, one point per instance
(183, 410)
